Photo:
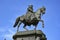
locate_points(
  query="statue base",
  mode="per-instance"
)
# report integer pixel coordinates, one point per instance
(30, 35)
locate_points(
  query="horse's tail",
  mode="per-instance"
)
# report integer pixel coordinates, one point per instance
(16, 22)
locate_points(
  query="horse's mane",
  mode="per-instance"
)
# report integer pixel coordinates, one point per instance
(37, 10)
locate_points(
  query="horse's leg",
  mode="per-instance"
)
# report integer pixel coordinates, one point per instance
(16, 22)
(18, 26)
(19, 23)
(17, 29)
(25, 27)
(35, 27)
(42, 23)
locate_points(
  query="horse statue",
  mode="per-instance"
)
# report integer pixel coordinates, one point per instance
(35, 18)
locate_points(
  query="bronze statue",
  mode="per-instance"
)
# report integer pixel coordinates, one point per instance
(28, 22)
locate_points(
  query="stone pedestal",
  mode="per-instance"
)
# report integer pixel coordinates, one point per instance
(30, 35)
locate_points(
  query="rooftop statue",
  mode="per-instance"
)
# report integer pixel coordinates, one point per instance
(30, 18)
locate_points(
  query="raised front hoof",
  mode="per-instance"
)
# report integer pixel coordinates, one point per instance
(42, 26)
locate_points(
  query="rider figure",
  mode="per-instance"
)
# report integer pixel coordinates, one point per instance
(30, 8)
(29, 12)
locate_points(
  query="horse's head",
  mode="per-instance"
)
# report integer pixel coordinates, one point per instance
(42, 10)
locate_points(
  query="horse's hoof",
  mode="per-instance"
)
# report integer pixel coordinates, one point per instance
(26, 29)
(34, 28)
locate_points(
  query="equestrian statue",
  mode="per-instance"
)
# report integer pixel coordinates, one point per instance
(30, 18)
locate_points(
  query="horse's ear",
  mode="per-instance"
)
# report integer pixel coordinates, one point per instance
(44, 8)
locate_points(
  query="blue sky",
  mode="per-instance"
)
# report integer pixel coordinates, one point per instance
(11, 9)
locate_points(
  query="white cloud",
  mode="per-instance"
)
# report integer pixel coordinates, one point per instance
(10, 35)
(11, 31)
